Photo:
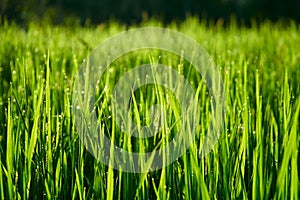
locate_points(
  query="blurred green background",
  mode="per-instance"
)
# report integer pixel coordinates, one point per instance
(136, 11)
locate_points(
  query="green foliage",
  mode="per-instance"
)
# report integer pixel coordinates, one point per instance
(256, 157)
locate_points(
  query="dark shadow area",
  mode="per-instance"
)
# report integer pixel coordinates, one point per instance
(131, 11)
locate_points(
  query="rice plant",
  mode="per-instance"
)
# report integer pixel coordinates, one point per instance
(256, 156)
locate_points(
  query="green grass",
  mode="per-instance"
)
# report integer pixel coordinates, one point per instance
(257, 154)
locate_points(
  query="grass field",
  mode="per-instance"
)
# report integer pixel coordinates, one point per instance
(257, 154)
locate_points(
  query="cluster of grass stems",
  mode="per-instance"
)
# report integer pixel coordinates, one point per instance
(256, 156)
